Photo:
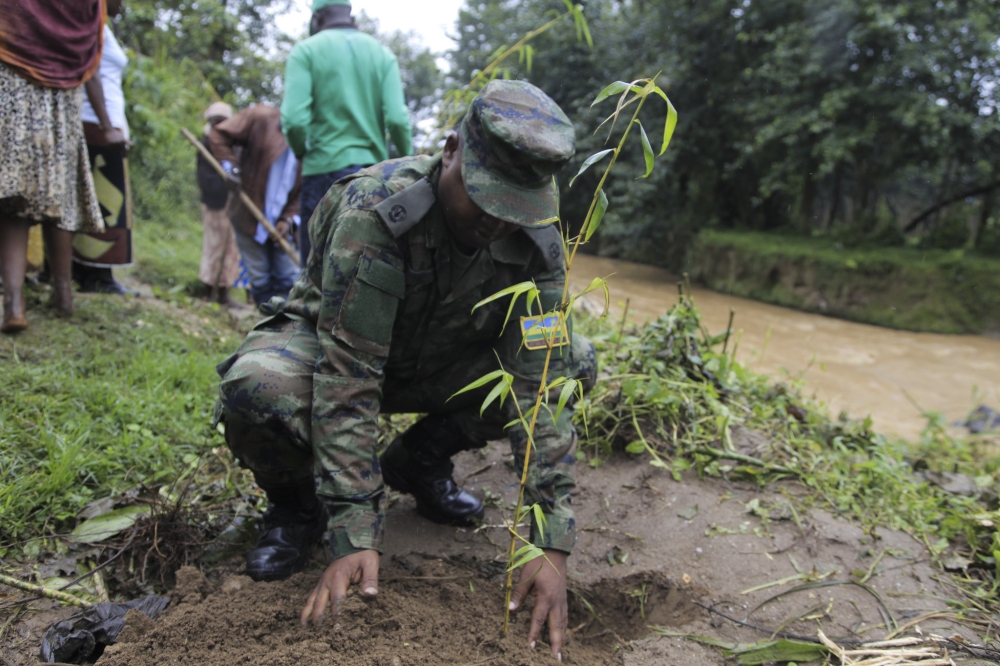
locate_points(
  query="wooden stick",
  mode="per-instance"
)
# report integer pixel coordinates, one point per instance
(289, 250)
(64, 597)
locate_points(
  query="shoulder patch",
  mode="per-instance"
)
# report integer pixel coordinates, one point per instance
(405, 208)
(549, 242)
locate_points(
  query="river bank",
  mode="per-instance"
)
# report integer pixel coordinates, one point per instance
(935, 291)
(855, 367)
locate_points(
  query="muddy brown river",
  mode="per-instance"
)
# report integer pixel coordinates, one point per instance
(849, 366)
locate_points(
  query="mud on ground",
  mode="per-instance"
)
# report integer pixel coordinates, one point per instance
(650, 551)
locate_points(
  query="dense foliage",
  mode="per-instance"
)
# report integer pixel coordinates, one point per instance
(856, 118)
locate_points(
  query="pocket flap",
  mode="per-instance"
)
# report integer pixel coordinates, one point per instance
(381, 274)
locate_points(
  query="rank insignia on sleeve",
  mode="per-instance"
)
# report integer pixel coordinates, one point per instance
(538, 331)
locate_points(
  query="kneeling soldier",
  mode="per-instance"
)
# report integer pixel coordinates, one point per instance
(381, 321)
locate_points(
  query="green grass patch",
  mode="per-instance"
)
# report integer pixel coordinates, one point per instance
(119, 395)
(940, 291)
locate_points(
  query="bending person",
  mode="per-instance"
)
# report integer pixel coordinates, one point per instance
(381, 321)
(48, 48)
(270, 175)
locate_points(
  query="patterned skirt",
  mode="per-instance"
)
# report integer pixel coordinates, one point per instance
(44, 170)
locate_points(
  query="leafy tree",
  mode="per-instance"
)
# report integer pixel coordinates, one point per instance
(859, 118)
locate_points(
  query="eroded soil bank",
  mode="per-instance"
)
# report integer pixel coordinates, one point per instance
(650, 551)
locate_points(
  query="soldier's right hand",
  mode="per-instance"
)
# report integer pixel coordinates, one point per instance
(359, 568)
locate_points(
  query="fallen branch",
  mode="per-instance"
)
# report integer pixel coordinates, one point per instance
(64, 597)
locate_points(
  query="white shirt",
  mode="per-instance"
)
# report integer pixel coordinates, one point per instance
(113, 62)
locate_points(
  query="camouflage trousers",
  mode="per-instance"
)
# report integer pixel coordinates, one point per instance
(266, 396)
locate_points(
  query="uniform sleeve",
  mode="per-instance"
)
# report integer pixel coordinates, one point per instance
(296, 105)
(397, 116)
(362, 285)
(551, 472)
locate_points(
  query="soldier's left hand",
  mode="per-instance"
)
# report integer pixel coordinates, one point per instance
(359, 568)
(547, 581)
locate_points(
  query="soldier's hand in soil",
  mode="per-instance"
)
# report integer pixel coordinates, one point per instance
(359, 568)
(546, 579)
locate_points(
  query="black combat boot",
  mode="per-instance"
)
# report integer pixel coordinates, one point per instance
(292, 524)
(419, 463)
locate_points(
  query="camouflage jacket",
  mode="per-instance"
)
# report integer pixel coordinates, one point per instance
(377, 287)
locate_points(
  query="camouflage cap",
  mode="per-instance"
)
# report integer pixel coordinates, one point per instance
(515, 138)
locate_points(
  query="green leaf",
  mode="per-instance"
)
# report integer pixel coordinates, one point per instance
(107, 525)
(567, 392)
(540, 521)
(589, 162)
(615, 88)
(598, 215)
(670, 125)
(499, 391)
(485, 379)
(524, 555)
(595, 284)
(782, 650)
(647, 150)
(636, 447)
(516, 289)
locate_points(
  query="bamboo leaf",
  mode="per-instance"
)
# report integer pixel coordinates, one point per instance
(671, 121)
(493, 395)
(598, 215)
(540, 521)
(516, 289)
(615, 88)
(590, 161)
(533, 552)
(647, 150)
(485, 379)
(567, 392)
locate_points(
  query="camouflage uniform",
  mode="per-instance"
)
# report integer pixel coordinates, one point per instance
(381, 321)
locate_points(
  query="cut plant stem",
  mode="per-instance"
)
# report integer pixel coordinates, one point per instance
(63, 597)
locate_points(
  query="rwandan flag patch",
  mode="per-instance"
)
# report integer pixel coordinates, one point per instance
(537, 331)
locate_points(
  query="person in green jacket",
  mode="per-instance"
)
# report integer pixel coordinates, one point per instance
(342, 92)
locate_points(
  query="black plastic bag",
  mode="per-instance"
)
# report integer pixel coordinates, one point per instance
(79, 636)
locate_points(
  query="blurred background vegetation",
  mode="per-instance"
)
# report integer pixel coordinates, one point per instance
(857, 124)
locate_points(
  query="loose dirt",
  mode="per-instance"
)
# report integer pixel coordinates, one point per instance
(652, 552)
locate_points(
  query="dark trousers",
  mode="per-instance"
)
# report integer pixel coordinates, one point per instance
(314, 188)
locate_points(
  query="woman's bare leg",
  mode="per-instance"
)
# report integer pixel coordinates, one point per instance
(59, 247)
(13, 263)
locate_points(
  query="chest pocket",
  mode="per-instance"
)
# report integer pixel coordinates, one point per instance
(369, 307)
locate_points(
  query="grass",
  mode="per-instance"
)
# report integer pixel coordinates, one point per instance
(942, 291)
(118, 396)
(673, 395)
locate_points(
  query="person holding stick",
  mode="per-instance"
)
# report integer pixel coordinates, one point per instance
(269, 173)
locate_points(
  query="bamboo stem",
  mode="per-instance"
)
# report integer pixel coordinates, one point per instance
(64, 597)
